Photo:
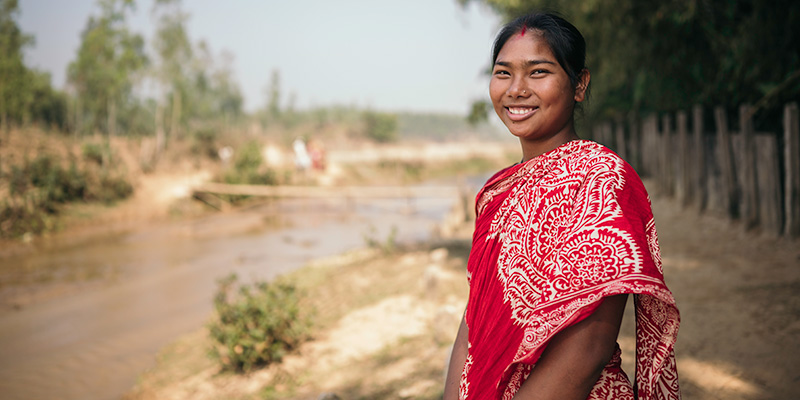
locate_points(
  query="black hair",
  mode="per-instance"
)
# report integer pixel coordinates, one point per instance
(564, 39)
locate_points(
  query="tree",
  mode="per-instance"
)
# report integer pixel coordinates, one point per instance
(273, 92)
(174, 50)
(107, 61)
(14, 91)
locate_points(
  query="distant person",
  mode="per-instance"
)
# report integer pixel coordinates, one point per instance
(302, 161)
(317, 154)
(561, 238)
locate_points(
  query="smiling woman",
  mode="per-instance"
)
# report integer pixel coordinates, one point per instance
(560, 240)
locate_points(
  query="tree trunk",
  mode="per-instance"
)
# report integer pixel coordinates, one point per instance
(112, 118)
(159, 132)
(176, 115)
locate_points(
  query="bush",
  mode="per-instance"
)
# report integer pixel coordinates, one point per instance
(380, 127)
(248, 168)
(39, 188)
(258, 327)
(94, 152)
(21, 217)
(204, 143)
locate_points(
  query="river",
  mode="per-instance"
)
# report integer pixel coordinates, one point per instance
(153, 284)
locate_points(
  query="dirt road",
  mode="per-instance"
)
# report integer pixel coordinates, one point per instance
(739, 297)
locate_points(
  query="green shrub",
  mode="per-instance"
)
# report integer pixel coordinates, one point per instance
(20, 217)
(204, 143)
(94, 152)
(257, 327)
(39, 188)
(248, 168)
(380, 127)
(110, 189)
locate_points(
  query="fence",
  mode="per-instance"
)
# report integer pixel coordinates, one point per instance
(746, 175)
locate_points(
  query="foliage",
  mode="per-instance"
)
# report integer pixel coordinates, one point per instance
(39, 188)
(94, 152)
(668, 55)
(25, 94)
(248, 167)
(196, 89)
(107, 61)
(380, 127)
(204, 142)
(257, 327)
(442, 127)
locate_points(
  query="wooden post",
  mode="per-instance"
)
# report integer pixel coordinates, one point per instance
(652, 158)
(748, 169)
(682, 162)
(619, 137)
(634, 142)
(666, 151)
(791, 146)
(730, 203)
(768, 183)
(608, 136)
(699, 165)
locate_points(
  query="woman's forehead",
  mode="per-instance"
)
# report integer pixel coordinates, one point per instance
(530, 45)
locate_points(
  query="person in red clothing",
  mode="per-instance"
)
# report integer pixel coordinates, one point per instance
(561, 239)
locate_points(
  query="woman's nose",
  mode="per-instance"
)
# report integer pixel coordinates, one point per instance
(518, 88)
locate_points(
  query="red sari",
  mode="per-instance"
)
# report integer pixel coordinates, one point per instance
(553, 237)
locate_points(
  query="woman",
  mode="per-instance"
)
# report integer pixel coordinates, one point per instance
(561, 239)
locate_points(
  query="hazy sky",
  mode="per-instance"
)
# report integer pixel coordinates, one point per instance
(420, 55)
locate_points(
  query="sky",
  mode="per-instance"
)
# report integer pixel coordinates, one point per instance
(398, 55)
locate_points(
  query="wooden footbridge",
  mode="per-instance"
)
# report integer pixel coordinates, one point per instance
(210, 192)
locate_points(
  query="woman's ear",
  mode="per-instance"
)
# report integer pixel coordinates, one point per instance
(583, 85)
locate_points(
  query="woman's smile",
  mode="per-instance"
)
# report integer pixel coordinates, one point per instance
(517, 113)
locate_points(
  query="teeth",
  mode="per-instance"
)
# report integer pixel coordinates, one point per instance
(520, 111)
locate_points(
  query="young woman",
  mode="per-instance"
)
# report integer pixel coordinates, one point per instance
(560, 240)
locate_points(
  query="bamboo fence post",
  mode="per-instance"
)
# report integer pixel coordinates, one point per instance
(768, 183)
(750, 186)
(634, 142)
(608, 135)
(666, 152)
(654, 158)
(682, 187)
(729, 198)
(699, 164)
(791, 146)
(619, 137)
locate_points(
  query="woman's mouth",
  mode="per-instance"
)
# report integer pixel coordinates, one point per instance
(520, 113)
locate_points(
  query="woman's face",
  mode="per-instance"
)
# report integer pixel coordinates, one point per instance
(531, 92)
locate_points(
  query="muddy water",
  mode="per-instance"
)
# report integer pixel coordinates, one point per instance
(149, 286)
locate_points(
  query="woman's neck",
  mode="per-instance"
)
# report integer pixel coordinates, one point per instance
(531, 149)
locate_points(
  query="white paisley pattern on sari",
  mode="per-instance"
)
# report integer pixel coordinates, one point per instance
(567, 229)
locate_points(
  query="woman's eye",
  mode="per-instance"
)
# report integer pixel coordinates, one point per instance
(537, 72)
(501, 73)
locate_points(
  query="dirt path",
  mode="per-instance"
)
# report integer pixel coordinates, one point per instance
(739, 297)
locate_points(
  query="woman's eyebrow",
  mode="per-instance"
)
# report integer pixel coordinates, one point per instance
(527, 63)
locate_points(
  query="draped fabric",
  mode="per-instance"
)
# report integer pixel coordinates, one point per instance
(553, 237)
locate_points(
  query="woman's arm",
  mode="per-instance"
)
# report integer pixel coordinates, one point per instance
(575, 357)
(457, 359)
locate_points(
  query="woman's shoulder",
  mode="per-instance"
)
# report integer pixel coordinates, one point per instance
(594, 157)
